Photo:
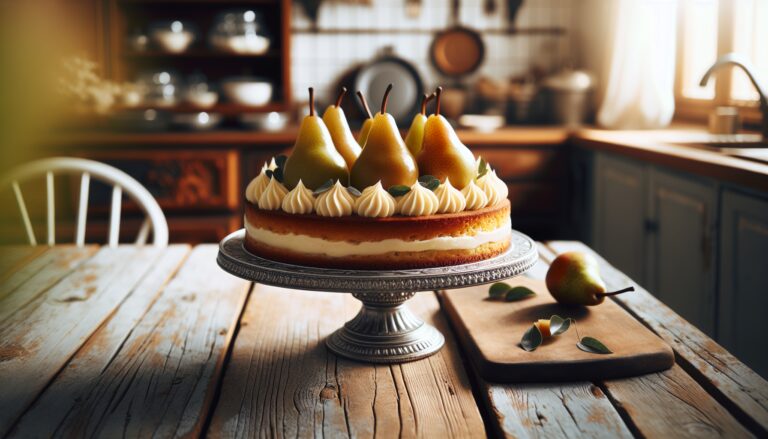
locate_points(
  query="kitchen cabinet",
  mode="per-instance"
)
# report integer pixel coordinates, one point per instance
(619, 213)
(681, 245)
(659, 227)
(743, 279)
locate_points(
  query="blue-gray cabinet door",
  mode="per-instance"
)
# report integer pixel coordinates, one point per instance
(681, 245)
(743, 293)
(619, 214)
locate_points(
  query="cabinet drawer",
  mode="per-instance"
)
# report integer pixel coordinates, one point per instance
(517, 164)
(179, 180)
(534, 198)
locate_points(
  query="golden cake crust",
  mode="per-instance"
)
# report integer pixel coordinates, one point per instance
(355, 228)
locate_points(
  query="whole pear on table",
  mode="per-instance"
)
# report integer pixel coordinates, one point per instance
(314, 158)
(385, 157)
(574, 278)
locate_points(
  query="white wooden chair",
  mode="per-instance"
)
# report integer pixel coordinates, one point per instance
(87, 169)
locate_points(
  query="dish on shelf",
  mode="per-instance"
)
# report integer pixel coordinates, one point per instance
(272, 121)
(196, 121)
(162, 88)
(482, 122)
(253, 92)
(173, 37)
(241, 32)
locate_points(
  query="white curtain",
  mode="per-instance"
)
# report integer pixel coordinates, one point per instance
(639, 65)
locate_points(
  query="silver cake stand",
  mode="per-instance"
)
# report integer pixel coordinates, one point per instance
(385, 330)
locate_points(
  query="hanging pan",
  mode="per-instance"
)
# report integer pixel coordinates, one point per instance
(458, 50)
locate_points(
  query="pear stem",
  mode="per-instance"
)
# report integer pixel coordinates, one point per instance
(613, 293)
(365, 104)
(341, 96)
(385, 99)
(424, 100)
(311, 101)
(438, 92)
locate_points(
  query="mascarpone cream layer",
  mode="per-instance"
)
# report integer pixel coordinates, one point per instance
(313, 245)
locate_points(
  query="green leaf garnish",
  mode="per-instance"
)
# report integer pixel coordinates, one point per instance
(324, 187)
(429, 181)
(353, 191)
(558, 325)
(280, 160)
(278, 174)
(398, 190)
(531, 339)
(518, 293)
(482, 168)
(593, 346)
(498, 290)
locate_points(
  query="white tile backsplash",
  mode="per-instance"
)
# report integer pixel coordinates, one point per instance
(319, 59)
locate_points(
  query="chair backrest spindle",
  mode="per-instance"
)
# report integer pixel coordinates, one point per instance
(50, 208)
(114, 216)
(82, 208)
(24, 213)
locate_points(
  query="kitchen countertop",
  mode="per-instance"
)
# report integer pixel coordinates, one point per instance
(654, 146)
(137, 341)
(522, 135)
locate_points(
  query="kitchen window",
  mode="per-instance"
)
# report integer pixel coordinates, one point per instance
(707, 30)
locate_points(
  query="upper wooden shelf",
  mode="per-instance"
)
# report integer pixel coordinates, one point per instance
(199, 53)
(206, 2)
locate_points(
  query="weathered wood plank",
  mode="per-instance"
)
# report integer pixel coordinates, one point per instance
(554, 410)
(687, 409)
(550, 410)
(74, 384)
(39, 339)
(38, 275)
(13, 257)
(734, 384)
(163, 378)
(282, 381)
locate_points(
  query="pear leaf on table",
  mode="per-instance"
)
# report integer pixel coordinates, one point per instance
(398, 190)
(593, 346)
(558, 325)
(518, 293)
(501, 290)
(532, 339)
(323, 187)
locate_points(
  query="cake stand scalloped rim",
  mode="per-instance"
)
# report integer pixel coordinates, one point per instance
(235, 259)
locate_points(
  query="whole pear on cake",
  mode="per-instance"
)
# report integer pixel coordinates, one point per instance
(385, 157)
(314, 159)
(415, 136)
(362, 136)
(442, 153)
(343, 139)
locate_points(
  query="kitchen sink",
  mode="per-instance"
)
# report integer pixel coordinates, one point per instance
(746, 146)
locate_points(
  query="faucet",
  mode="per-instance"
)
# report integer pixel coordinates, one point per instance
(737, 60)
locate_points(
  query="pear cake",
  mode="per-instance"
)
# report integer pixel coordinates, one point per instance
(377, 202)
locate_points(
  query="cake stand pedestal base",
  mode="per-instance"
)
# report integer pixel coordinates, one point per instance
(385, 331)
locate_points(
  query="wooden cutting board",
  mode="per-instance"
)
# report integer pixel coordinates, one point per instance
(491, 330)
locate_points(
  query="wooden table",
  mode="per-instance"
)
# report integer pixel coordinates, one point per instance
(141, 341)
